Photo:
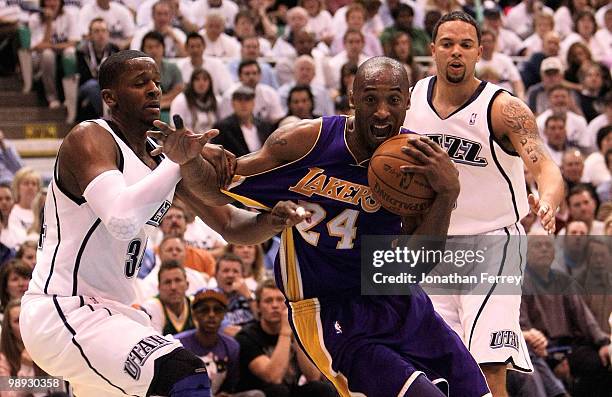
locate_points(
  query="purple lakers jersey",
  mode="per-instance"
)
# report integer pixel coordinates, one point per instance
(320, 258)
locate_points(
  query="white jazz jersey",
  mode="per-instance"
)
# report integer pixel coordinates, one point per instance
(492, 192)
(77, 256)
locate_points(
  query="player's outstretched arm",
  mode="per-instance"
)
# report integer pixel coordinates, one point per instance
(87, 166)
(513, 121)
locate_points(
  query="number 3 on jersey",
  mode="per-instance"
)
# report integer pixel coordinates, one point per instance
(342, 226)
(131, 257)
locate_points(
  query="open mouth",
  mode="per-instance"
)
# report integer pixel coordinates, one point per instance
(456, 66)
(153, 105)
(381, 130)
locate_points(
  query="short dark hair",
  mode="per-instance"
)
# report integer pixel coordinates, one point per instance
(554, 117)
(194, 35)
(602, 133)
(114, 66)
(301, 88)
(247, 62)
(353, 31)
(402, 8)
(579, 188)
(170, 264)
(229, 257)
(267, 283)
(153, 35)
(96, 20)
(456, 16)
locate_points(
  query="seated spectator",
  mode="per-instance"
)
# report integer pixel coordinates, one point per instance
(555, 137)
(267, 101)
(603, 120)
(172, 249)
(10, 161)
(250, 49)
(226, 8)
(355, 20)
(242, 132)
(573, 248)
(181, 14)
(544, 23)
(6, 203)
(560, 101)
(270, 358)
(300, 105)
(14, 280)
(319, 20)
(218, 43)
(170, 310)
(26, 185)
(577, 55)
(195, 47)
(564, 22)
(303, 44)
(197, 105)
(582, 206)
(244, 26)
(596, 170)
(572, 167)
(174, 224)
(551, 305)
(530, 69)
(54, 35)
(585, 28)
(510, 78)
(173, 39)
(90, 55)
(348, 71)
(353, 53)
(603, 39)
(594, 86)
(508, 42)
(10, 17)
(220, 353)
(117, 17)
(604, 190)
(303, 75)
(252, 257)
(27, 253)
(171, 83)
(401, 51)
(241, 308)
(403, 16)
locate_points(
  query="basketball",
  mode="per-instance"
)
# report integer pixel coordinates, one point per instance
(400, 193)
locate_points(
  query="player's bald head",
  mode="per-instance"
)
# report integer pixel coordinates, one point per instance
(381, 70)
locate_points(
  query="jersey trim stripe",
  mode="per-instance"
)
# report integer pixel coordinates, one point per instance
(77, 200)
(59, 240)
(73, 332)
(247, 201)
(490, 123)
(80, 254)
(474, 96)
(484, 302)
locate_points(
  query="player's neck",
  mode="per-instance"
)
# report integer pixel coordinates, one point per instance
(135, 132)
(447, 95)
(355, 142)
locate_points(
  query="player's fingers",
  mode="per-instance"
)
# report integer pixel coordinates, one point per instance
(157, 151)
(164, 128)
(207, 136)
(433, 145)
(412, 168)
(415, 153)
(178, 122)
(156, 135)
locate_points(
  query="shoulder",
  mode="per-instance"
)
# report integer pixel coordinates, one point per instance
(508, 114)
(86, 137)
(231, 342)
(186, 337)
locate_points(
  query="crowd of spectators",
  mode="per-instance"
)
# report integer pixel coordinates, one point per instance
(249, 66)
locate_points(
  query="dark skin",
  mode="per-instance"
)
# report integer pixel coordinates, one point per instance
(88, 151)
(380, 99)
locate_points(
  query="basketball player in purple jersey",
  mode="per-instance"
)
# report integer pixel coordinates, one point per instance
(377, 346)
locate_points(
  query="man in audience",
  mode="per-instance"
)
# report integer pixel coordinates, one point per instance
(572, 166)
(551, 74)
(555, 137)
(119, 21)
(573, 246)
(174, 224)
(267, 101)
(195, 45)
(170, 310)
(173, 38)
(250, 50)
(227, 8)
(241, 306)
(270, 359)
(552, 306)
(604, 190)
(531, 69)
(403, 16)
(582, 206)
(303, 44)
(507, 41)
(218, 43)
(353, 53)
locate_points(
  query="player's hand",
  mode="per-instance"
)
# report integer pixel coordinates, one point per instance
(180, 144)
(223, 161)
(545, 212)
(604, 355)
(286, 214)
(435, 164)
(241, 288)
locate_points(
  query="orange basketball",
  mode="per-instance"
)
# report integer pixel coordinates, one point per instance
(400, 193)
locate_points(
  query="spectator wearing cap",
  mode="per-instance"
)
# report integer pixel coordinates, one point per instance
(403, 17)
(530, 70)
(551, 74)
(596, 170)
(509, 76)
(604, 119)
(242, 132)
(267, 101)
(507, 41)
(170, 310)
(560, 101)
(220, 353)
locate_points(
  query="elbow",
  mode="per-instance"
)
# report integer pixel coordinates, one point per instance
(123, 229)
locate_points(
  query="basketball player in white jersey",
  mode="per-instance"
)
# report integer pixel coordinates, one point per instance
(107, 195)
(490, 135)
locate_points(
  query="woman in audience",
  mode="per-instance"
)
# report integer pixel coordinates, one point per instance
(584, 32)
(253, 260)
(401, 50)
(14, 280)
(197, 104)
(320, 21)
(26, 186)
(578, 54)
(595, 83)
(27, 253)
(347, 76)
(563, 15)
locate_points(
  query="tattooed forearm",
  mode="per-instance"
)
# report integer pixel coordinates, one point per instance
(520, 121)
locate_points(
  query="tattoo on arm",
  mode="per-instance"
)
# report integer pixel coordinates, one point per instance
(277, 138)
(521, 121)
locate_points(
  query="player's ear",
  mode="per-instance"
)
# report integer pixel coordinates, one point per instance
(350, 99)
(432, 48)
(109, 97)
(479, 52)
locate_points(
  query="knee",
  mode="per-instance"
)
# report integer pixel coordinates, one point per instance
(48, 56)
(179, 369)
